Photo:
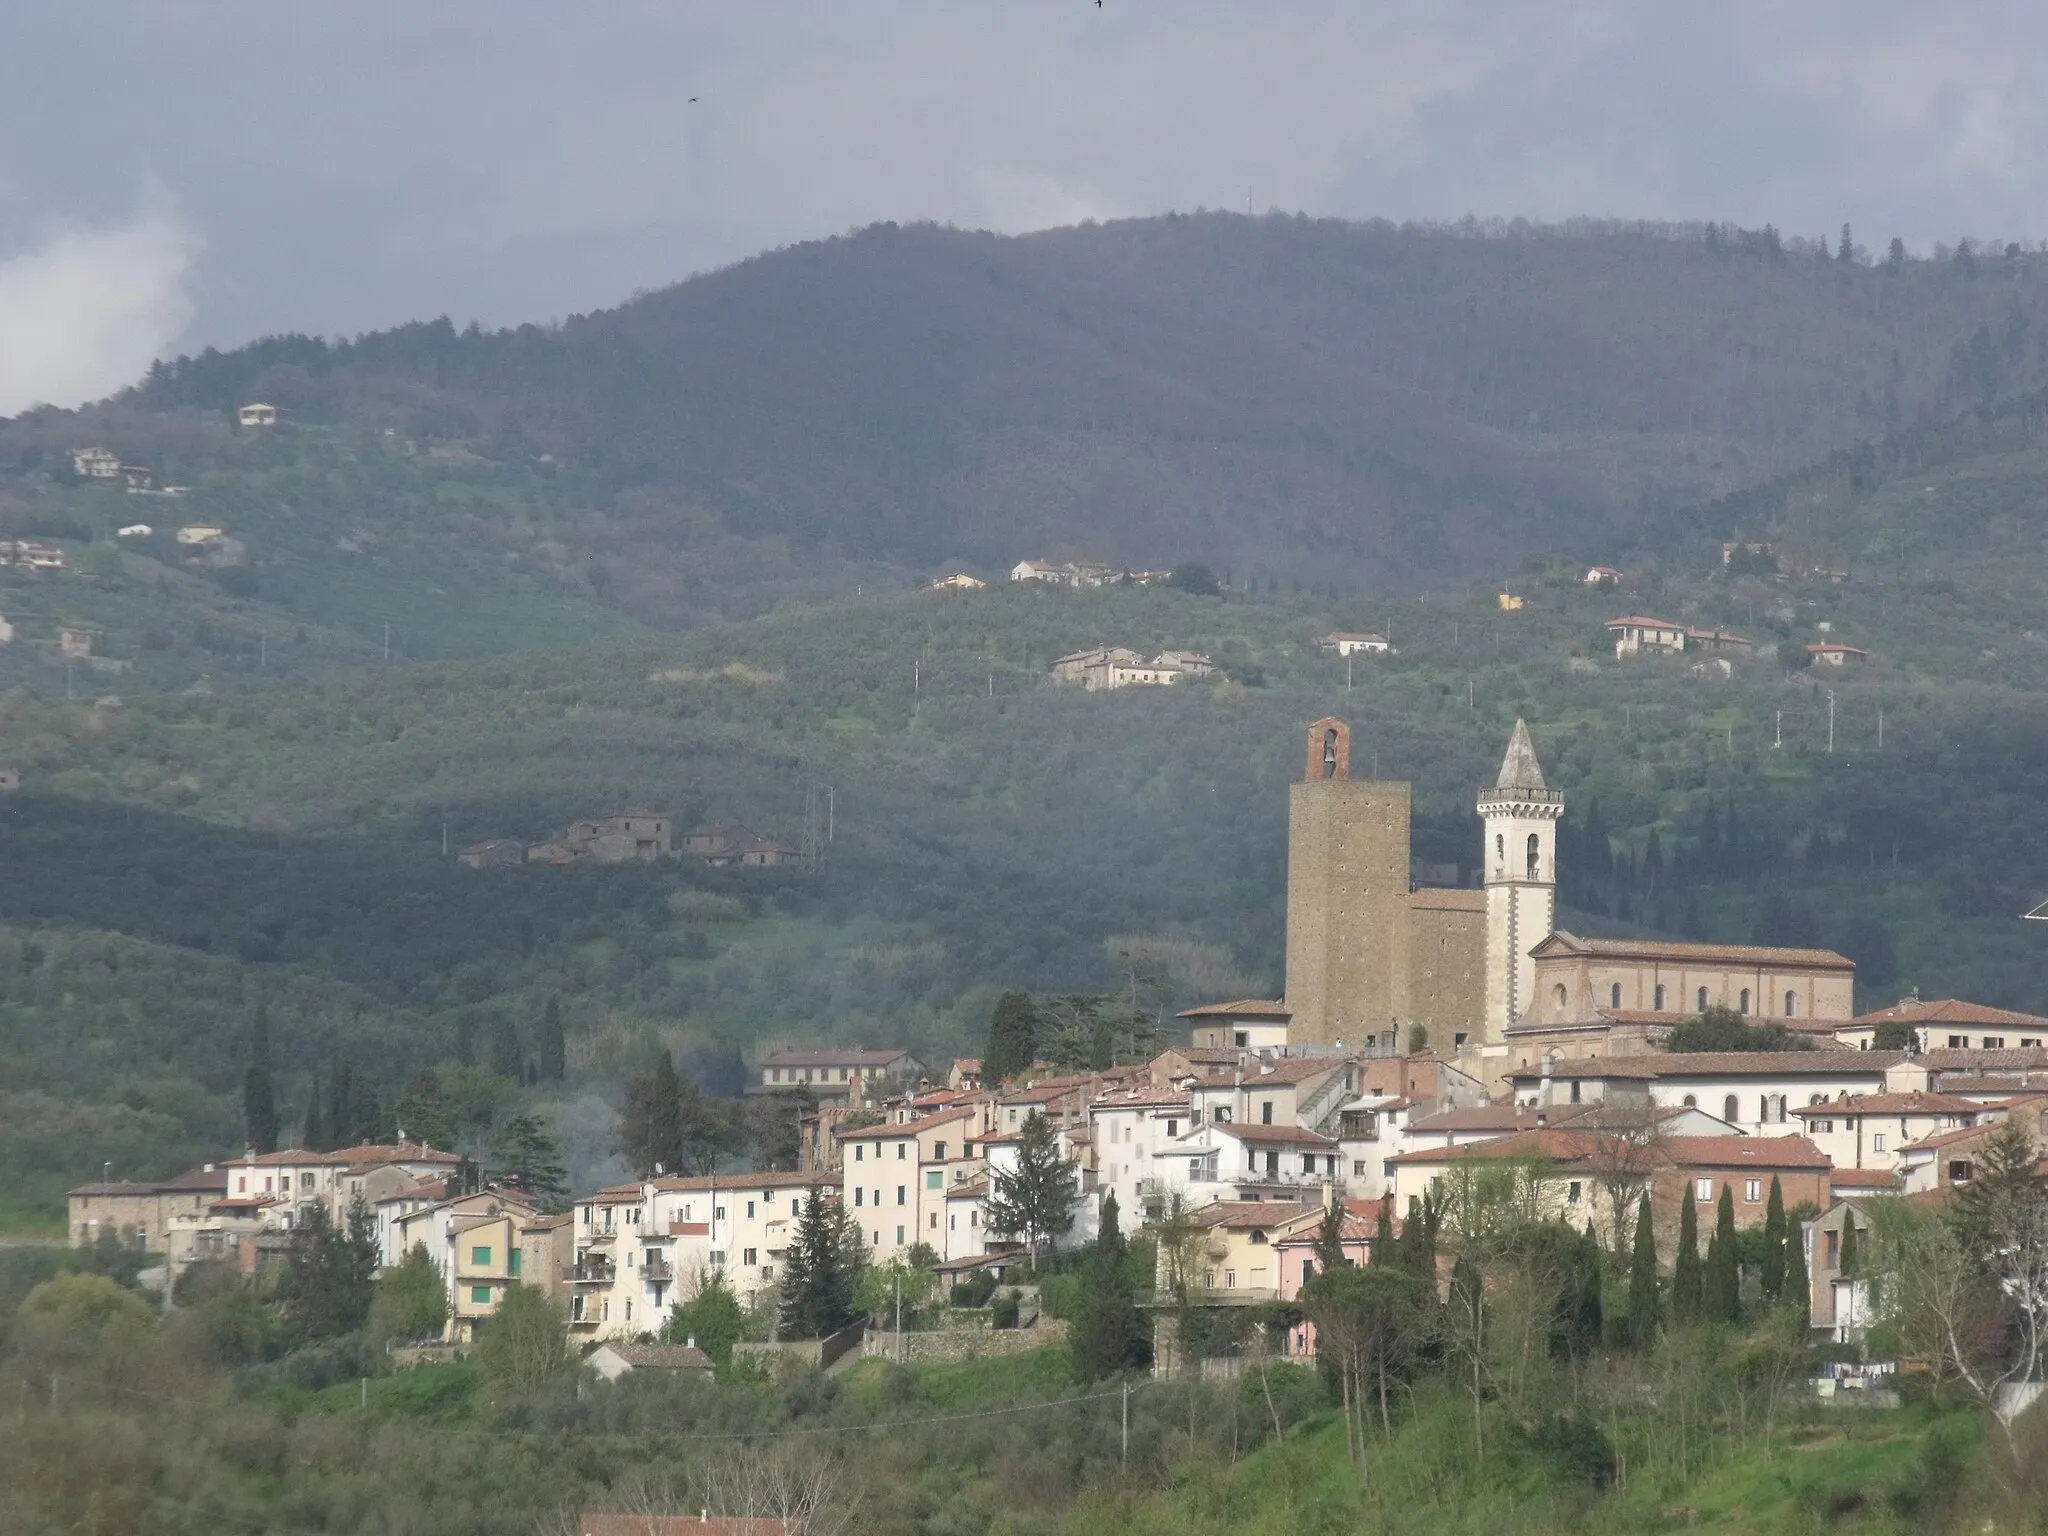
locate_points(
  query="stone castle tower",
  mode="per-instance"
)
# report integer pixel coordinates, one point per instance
(1347, 890)
(1520, 814)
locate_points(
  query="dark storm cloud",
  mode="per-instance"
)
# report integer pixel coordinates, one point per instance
(174, 174)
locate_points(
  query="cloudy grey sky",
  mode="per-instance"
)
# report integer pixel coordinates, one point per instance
(175, 173)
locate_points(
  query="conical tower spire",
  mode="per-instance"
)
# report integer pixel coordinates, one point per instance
(1519, 769)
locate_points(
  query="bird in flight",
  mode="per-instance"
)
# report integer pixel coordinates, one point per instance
(693, 99)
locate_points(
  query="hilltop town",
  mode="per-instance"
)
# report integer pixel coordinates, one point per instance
(1427, 1035)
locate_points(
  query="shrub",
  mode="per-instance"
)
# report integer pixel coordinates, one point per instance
(1062, 1296)
(976, 1291)
(1003, 1311)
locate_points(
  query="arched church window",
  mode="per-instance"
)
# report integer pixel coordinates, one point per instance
(1791, 999)
(1703, 999)
(1728, 1110)
(1561, 996)
(1691, 1101)
(1657, 1002)
(1745, 1000)
(1329, 754)
(1500, 854)
(1535, 855)
(1614, 995)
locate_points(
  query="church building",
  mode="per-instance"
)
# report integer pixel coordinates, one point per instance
(1487, 973)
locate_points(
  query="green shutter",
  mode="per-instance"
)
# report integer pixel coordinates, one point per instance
(480, 1294)
(516, 1256)
(479, 1255)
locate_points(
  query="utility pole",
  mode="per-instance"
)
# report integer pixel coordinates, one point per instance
(1831, 722)
(262, 652)
(1347, 671)
(387, 642)
(444, 839)
(1124, 1457)
(830, 807)
(1880, 728)
(1779, 740)
(896, 1281)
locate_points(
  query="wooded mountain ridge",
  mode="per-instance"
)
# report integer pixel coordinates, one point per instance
(1285, 399)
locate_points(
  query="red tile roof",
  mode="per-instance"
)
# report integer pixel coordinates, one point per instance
(1745, 1152)
(1565, 942)
(1249, 1213)
(1244, 1008)
(1273, 1135)
(1949, 1010)
(1915, 1103)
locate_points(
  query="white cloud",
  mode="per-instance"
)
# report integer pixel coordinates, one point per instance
(83, 312)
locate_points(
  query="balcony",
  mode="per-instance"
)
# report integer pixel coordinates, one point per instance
(593, 1269)
(657, 1272)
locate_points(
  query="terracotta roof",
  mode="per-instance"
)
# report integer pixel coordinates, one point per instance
(1947, 1138)
(1273, 1135)
(1444, 899)
(1140, 1098)
(1879, 1180)
(115, 1189)
(1944, 1059)
(833, 1058)
(968, 1189)
(1949, 1010)
(1670, 1064)
(1640, 622)
(296, 1157)
(1356, 1229)
(1245, 1008)
(966, 1063)
(1564, 942)
(2007, 1088)
(1915, 1103)
(1744, 1152)
(396, 1152)
(1552, 1145)
(783, 1179)
(1249, 1213)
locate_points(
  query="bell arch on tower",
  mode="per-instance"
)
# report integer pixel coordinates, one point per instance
(1329, 750)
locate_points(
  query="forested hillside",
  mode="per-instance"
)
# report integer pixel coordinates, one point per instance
(1350, 406)
(483, 577)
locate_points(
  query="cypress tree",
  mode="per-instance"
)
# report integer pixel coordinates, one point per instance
(1794, 1290)
(1774, 1243)
(1642, 1279)
(1110, 1337)
(259, 1094)
(1685, 1270)
(1383, 1249)
(313, 1130)
(339, 1116)
(1724, 1286)
(1330, 1239)
(1847, 1267)
(507, 1058)
(1012, 1038)
(554, 1045)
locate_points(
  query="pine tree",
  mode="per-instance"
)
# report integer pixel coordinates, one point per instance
(554, 1045)
(1774, 1243)
(259, 1094)
(313, 1127)
(1012, 1038)
(821, 1272)
(1686, 1281)
(1723, 1279)
(1642, 1279)
(525, 1156)
(1034, 1201)
(339, 1116)
(1109, 1337)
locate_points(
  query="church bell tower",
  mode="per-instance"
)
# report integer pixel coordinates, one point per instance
(1520, 814)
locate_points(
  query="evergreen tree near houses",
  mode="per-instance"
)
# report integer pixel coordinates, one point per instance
(1329, 1249)
(822, 1273)
(259, 1092)
(1383, 1248)
(1012, 1038)
(1110, 1336)
(1850, 1261)
(525, 1156)
(1773, 1276)
(1034, 1201)
(1723, 1277)
(1795, 1292)
(1687, 1285)
(1643, 1305)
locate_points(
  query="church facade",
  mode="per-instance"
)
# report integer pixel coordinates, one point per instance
(1487, 973)
(1368, 958)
